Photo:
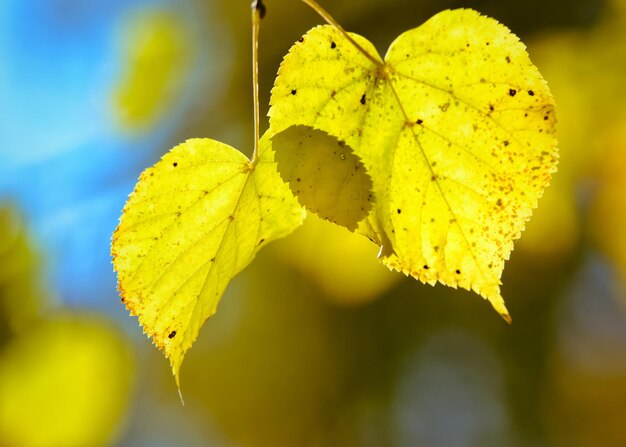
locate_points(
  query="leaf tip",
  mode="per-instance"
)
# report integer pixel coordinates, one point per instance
(176, 374)
(497, 302)
(507, 317)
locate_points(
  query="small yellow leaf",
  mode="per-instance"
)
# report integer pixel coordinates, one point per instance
(195, 220)
(308, 158)
(455, 127)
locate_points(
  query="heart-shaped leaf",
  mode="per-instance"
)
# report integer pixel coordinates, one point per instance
(195, 220)
(455, 127)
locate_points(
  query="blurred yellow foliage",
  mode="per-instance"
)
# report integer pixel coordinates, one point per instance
(20, 299)
(608, 213)
(585, 70)
(65, 383)
(555, 228)
(343, 264)
(156, 56)
(598, 400)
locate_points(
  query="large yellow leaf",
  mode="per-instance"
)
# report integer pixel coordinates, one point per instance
(195, 220)
(455, 128)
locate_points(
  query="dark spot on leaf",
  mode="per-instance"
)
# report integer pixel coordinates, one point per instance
(212, 259)
(172, 335)
(512, 91)
(499, 202)
(531, 93)
(333, 45)
(261, 241)
(491, 107)
(174, 164)
(333, 93)
(298, 179)
(301, 39)
(506, 142)
(399, 211)
(508, 59)
(426, 267)
(293, 92)
(419, 121)
(363, 99)
(458, 272)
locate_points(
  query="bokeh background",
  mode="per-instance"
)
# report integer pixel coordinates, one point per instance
(315, 344)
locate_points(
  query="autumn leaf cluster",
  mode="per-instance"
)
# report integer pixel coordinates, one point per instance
(437, 152)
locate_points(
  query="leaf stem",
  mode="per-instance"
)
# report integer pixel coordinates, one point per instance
(331, 21)
(258, 12)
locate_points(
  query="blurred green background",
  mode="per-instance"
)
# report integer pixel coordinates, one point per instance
(315, 344)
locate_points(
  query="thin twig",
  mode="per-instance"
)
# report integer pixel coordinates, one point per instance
(258, 12)
(331, 21)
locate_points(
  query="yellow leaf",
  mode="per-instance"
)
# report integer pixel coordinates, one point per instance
(66, 382)
(455, 128)
(195, 220)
